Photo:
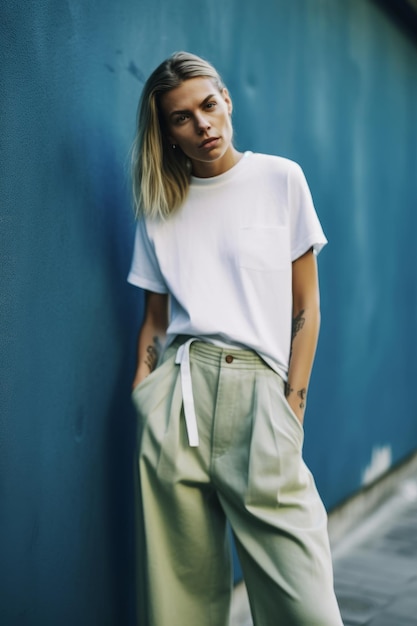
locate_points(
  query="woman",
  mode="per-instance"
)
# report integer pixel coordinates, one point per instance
(225, 249)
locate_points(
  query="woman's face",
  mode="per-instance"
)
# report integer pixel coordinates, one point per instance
(198, 120)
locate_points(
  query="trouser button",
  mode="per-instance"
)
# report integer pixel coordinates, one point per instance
(229, 358)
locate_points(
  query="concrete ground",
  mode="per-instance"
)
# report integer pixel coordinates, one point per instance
(375, 566)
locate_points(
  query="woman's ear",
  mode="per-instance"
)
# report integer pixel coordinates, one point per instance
(228, 100)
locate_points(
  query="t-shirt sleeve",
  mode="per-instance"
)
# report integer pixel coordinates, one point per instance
(145, 271)
(306, 230)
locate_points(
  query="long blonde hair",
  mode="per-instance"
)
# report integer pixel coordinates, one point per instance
(161, 175)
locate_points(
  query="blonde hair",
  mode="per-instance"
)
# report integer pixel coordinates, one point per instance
(161, 175)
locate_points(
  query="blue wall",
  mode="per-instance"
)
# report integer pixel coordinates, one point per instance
(329, 84)
(67, 101)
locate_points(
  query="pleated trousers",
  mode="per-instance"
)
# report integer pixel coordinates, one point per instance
(248, 469)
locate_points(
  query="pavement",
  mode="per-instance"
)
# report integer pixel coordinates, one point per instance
(375, 566)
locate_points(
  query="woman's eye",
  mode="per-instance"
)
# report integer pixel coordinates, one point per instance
(180, 119)
(210, 105)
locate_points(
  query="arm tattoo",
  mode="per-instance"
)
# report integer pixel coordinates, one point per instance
(297, 323)
(301, 393)
(287, 389)
(152, 354)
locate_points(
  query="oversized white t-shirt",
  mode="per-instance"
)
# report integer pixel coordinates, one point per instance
(225, 256)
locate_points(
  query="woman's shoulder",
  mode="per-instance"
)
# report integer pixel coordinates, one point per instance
(275, 164)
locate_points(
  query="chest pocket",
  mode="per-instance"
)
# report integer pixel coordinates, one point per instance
(264, 248)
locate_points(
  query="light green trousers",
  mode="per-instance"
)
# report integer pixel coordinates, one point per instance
(247, 469)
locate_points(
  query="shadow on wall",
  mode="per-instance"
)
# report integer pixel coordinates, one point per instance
(403, 12)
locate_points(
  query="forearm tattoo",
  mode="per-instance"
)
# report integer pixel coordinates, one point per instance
(287, 389)
(152, 353)
(297, 324)
(301, 393)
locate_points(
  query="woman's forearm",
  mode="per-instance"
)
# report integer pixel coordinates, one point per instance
(306, 325)
(151, 335)
(150, 343)
(305, 331)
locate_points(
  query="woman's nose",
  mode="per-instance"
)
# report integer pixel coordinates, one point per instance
(202, 123)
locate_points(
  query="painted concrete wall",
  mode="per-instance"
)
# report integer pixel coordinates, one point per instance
(331, 85)
(67, 102)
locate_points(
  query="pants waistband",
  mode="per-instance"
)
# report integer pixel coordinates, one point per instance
(207, 352)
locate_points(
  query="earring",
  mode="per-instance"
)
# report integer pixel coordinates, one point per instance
(174, 146)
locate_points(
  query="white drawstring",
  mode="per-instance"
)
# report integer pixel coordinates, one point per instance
(183, 360)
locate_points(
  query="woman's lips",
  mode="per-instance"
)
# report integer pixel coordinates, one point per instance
(208, 143)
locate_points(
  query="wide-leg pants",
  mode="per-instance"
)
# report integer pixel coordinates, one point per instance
(248, 469)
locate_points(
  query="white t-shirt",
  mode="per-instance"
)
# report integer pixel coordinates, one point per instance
(225, 256)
